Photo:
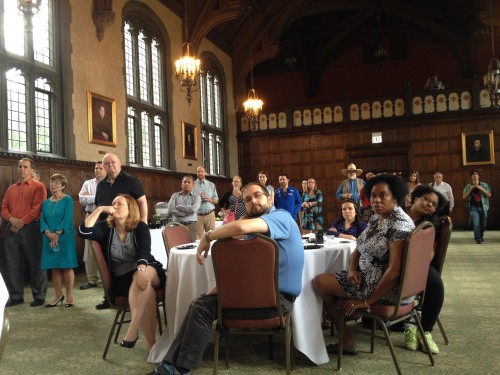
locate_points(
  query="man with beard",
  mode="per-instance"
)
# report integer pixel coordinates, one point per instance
(187, 349)
(287, 197)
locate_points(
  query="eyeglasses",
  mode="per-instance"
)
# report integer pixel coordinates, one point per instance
(429, 200)
(250, 198)
(56, 182)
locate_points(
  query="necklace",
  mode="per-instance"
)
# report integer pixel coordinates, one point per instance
(52, 207)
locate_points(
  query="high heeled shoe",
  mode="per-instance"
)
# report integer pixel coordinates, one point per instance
(59, 301)
(129, 344)
(68, 305)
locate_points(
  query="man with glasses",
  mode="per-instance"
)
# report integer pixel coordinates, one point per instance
(186, 351)
(118, 182)
(444, 188)
(21, 208)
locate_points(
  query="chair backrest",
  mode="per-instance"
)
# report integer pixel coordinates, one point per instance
(443, 239)
(246, 273)
(4, 333)
(175, 234)
(103, 268)
(417, 256)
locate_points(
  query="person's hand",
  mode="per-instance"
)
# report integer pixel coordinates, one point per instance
(105, 136)
(17, 223)
(351, 306)
(202, 251)
(142, 278)
(84, 194)
(353, 278)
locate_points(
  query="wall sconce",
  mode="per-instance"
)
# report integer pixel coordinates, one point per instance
(103, 16)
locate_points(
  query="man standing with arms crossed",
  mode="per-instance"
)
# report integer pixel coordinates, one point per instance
(87, 199)
(21, 207)
(183, 206)
(209, 198)
(118, 182)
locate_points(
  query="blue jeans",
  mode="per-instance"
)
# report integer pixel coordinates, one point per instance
(478, 219)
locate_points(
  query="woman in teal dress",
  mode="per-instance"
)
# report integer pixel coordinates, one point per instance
(59, 244)
(312, 200)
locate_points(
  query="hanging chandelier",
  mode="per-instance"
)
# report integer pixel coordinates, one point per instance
(253, 105)
(29, 6)
(187, 67)
(491, 79)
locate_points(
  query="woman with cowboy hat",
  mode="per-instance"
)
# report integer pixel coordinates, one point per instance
(351, 186)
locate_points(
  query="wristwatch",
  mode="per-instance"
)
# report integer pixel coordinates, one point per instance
(207, 237)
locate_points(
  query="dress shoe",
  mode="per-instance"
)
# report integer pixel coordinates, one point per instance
(129, 344)
(68, 305)
(88, 286)
(334, 348)
(103, 305)
(12, 302)
(37, 302)
(59, 301)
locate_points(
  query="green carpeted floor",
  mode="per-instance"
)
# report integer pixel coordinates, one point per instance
(71, 340)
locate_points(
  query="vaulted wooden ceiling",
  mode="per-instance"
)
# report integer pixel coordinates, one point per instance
(311, 33)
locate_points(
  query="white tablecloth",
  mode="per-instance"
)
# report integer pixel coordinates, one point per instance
(186, 280)
(158, 246)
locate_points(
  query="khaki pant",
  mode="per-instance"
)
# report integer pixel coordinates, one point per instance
(90, 263)
(204, 224)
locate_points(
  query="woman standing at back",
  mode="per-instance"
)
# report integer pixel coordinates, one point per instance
(413, 182)
(312, 200)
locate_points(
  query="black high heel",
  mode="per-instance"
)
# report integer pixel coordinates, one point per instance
(59, 301)
(129, 344)
(68, 305)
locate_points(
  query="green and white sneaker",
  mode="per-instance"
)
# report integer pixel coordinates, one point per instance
(411, 341)
(432, 345)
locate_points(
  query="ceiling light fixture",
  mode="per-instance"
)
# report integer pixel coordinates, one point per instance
(491, 79)
(29, 7)
(187, 67)
(253, 105)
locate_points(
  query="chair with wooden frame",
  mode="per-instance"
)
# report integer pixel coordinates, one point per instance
(248, 296)
(412, 282)
(120, 303)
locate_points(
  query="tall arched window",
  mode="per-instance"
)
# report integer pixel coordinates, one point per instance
(213, 117)
(30, 78)
(146, 103)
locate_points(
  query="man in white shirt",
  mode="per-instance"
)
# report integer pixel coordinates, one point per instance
(209, 198)
(87, 198)
(184, 205)
(444, 188)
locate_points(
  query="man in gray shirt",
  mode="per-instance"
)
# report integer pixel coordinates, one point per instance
(184, 205)
(209, 198)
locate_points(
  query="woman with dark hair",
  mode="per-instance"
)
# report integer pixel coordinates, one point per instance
(427, 205)
(232, 201)
(413, 182)
(126, 244)
(264, 181)
(349, 225)
(375, 264)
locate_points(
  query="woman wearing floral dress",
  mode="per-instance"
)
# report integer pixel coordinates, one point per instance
(312, 218)
(375, 264)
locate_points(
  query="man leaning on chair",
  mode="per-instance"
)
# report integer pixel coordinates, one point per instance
(187, 349)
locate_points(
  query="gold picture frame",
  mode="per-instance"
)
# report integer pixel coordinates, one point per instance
(189, 139)
(478, 148)
(101, 119)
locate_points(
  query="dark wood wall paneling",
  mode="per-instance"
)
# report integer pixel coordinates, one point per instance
(425, 145)
(158, 185)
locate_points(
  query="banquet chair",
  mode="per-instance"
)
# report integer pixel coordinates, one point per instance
(175, 234)
(248, 298)
(412, 281)
(120, 304)
(443, 236)
(4, 333)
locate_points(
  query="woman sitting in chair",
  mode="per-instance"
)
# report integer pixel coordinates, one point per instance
(427, 205)
(126, 244)
(349, 225)
(375, 264)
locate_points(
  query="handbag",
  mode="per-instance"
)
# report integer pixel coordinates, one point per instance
(230, 215)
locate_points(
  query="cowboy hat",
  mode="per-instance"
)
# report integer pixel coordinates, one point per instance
(352, 167)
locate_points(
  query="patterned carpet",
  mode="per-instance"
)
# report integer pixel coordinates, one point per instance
(71, 340)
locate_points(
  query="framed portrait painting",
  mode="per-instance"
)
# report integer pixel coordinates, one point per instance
(101, 119)
(478, 148)
(189, 136)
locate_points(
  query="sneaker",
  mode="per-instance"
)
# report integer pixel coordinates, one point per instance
(432, 345)
(163, 369)
(411, 341)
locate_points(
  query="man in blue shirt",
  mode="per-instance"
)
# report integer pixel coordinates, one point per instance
(187, 349)
(287, 197)
(351, 186)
